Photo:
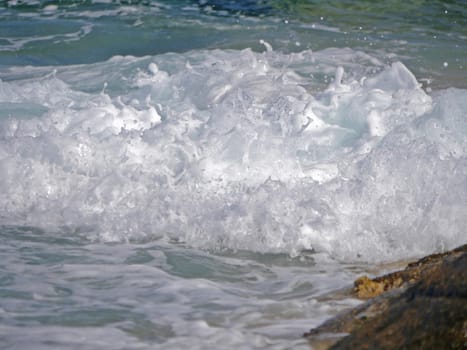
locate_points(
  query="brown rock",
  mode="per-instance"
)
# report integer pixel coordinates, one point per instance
(423, 307)
(369, 288)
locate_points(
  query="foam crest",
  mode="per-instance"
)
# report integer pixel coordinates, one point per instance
(239, 150)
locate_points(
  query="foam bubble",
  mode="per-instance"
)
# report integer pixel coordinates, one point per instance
(50, 8)
(238, 150)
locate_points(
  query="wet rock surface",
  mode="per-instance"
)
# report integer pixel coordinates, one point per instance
(421, 307)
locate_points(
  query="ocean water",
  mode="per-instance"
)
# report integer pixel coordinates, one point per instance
(211, 174)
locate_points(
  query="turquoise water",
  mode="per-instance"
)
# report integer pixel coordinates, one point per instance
(425, 34)
(205, 174)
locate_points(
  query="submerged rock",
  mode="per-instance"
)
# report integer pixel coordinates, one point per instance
(421, 307)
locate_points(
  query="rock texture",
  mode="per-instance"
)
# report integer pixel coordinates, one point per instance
(421, 307)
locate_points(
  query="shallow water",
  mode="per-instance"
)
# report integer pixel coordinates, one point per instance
(61, 291)
(205, 173)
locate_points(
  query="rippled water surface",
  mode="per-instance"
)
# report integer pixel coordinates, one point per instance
(205, 174)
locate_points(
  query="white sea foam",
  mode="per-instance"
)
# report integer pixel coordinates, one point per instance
(238, 150)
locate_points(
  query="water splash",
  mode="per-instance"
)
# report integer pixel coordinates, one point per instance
(238, 150)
